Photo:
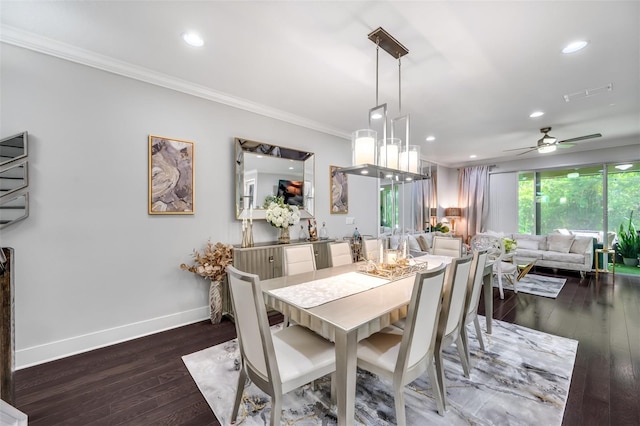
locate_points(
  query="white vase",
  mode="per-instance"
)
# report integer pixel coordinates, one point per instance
(215, 302)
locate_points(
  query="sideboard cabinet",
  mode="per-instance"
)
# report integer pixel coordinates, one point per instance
(265, 260)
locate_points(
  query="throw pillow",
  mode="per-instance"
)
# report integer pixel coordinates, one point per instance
(422, 242)
(580, 245)
(527, 244)
(413, 243)
(560, 243)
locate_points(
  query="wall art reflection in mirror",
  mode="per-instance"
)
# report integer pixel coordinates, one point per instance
(265, 170)
(14, 179)
(171, 185)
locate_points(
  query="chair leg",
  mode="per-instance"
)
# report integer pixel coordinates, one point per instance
(440, 378)
(463, 355)
(465, 345)
(236, 405)
(276, 409)
(435, 386)
(500, 285)
(399, 404)
(476, 323)
(333, 388)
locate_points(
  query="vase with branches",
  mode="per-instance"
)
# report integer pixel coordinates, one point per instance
(211, 264)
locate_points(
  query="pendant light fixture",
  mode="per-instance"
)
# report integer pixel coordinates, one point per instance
(371, 146)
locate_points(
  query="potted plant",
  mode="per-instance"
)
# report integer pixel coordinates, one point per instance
(211, 264)
(629, 243)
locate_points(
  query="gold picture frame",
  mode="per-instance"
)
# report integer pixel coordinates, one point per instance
(171, 175)
(339, 201)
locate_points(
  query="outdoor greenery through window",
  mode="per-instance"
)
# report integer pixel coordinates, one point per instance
(575, 199)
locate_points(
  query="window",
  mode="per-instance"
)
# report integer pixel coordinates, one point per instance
(575, 199)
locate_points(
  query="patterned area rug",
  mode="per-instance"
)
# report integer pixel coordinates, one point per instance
(538, 285)
(522, 378)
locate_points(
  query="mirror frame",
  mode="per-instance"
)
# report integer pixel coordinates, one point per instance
(243, 146)
(9, 203)
(5, 142)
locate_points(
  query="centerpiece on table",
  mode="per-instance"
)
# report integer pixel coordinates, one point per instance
(212, 264)
(282, 216)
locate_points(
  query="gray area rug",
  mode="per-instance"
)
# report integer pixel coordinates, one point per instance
(538, 285)
(522, 378)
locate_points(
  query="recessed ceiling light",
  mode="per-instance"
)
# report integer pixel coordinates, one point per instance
(376, 116)
(536, 114)
(624, 166)
(574, 46)
(431, 138)
(472, 156)
(193, 39)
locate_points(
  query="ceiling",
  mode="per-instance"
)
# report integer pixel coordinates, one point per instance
(474, 72)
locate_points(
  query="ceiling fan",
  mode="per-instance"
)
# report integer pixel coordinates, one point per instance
(549, 143)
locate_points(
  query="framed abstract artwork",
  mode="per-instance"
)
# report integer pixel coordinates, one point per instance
(171, 185)
(339, 191)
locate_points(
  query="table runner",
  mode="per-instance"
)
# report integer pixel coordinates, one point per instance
(319, 292)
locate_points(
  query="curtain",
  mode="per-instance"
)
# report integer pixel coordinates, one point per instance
(473, 199)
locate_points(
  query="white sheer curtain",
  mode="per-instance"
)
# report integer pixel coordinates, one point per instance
(473, 199)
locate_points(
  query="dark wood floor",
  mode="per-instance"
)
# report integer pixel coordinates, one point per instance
(144, 382)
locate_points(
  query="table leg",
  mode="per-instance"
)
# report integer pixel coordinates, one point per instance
(346, 362)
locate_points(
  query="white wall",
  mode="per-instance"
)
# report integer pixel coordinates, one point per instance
(92, 267)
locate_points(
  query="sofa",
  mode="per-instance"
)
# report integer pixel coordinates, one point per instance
(557, 251)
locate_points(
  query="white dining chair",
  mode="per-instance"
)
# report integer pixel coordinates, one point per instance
(450, 322)
(297, 259)
(340, 254)
(402, 356)
(498, 256)
(446, 246)
(372, 250)
(474, 287)
(275, 362)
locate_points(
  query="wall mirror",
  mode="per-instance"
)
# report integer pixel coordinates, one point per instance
(13, 178)
(13, 148)
(13, 209)
(264, 169)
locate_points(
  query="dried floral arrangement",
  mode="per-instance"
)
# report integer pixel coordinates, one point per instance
(212, 262)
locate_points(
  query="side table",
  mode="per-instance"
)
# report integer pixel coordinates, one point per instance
(605, 252)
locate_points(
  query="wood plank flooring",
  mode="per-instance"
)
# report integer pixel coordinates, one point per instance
(144, 381)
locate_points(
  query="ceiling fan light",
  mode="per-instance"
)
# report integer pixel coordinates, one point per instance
(546, 149)
(549, 139)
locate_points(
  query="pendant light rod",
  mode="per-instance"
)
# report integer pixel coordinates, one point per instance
(377, 61)
(399, 85)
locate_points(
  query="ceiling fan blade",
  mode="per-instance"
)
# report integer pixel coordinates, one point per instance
(533, 148)
(518, 149)
(581, 138)
(566, 145)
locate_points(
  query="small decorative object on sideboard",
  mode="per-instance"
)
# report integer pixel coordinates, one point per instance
(324, 234)
(212, 264)
(313, 230)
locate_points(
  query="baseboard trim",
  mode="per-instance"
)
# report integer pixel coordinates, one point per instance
(40, 354)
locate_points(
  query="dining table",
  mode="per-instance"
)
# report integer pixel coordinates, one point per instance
(345, 305)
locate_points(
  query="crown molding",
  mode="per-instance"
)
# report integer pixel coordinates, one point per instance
(37, 43)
